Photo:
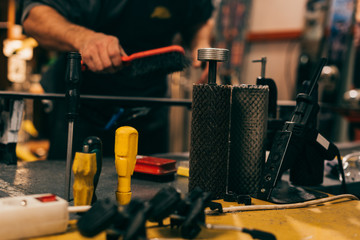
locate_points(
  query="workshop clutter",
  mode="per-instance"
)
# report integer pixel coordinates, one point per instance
(187, 214)
(228, 131)
(87, 169)
(88, 163)
(299, 146)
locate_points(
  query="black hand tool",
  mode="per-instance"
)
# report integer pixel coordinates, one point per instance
(299, 146)
(73, 81)
(94, 145)
(289, 144)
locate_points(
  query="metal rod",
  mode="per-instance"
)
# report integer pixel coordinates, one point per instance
(69, 160)
(263, 66)
(317, 75)
(212, 72)
(129, 101)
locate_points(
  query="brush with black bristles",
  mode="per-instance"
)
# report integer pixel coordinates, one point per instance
(159, 61)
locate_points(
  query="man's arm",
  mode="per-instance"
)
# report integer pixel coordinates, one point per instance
(99, 52)
(202, 38)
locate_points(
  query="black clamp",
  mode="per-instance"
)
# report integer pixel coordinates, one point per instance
(190, 214)
(129, 221)
(240, 199)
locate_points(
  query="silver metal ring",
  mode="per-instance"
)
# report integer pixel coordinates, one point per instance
(216, 54)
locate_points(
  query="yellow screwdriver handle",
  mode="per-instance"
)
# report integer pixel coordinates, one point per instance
(126, 144)
(84, 168)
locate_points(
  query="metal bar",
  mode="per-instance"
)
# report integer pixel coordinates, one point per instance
(68, 160)
(263, 65)
(129, 101)
(212, 72)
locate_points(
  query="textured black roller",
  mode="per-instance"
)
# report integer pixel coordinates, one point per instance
(210, 138)
(248, 132)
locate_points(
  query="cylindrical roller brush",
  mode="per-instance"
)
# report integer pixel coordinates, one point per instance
(210, 129)
(209, 138)
(248, 131)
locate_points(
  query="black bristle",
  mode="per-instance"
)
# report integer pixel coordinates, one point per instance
(160, 64)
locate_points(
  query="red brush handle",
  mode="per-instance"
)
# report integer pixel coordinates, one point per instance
(147, 53)
(153, 52)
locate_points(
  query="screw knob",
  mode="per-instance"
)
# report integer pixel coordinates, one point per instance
(213, 55)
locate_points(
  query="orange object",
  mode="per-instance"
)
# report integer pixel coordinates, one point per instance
(153, 52)
(165, 60)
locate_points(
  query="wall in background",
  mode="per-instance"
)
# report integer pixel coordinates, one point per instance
(277, 15)
(275, 28)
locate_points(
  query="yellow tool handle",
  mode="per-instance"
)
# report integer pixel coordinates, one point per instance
(84, 168)
(126, 144)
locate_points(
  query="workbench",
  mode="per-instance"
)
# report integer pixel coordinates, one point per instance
(338, 219)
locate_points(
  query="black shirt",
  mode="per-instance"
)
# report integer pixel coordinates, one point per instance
(138, 24)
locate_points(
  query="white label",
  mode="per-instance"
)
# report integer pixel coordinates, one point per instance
(322, 141)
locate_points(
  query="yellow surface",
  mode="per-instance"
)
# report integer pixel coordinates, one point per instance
(126, 144)
(336, 220)
(84, 168)
(72, 234)
(183, 171)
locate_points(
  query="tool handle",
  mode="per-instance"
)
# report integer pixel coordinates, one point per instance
(73, 81)
(84, 168)
(126, 144)
(93, 144)
(272, 94)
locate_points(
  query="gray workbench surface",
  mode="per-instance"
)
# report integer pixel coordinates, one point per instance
(49, 177)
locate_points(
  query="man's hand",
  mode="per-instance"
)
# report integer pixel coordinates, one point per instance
(101, 53)
(204, 75)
